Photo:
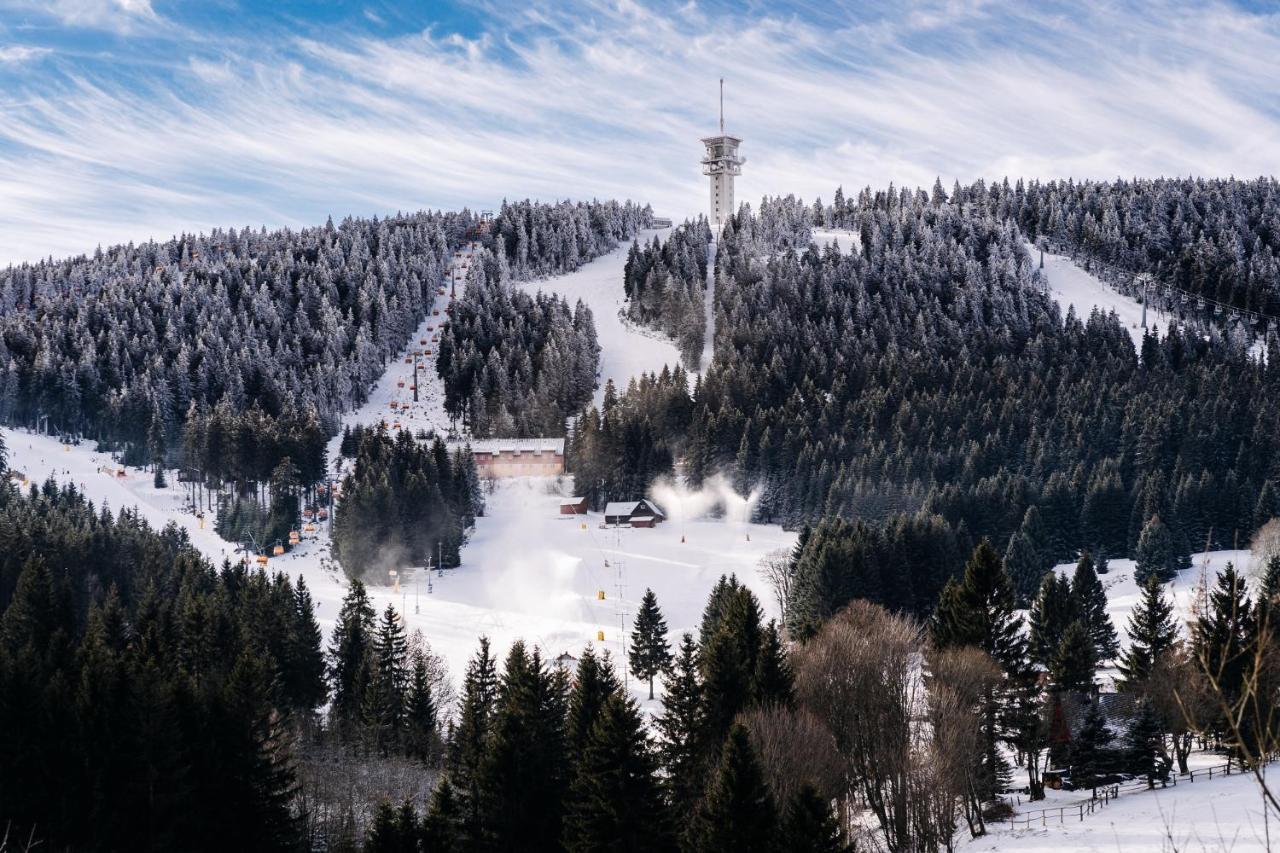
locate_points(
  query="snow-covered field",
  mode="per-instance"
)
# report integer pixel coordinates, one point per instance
(1123, 592)
(625, 351)
(846, 241)
(1222, 814)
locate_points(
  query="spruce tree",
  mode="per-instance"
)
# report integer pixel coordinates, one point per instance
(1223, 642)
(737, 812)
(1144, 747)
(615, 801)
(420, 712)
(1053, 609)
(1156, 556)
(385, 700)
(650, 653)
(467, 742)
(1091, 602)
(1075, 661)
(1152, 632)
(305, 672)
(681, 731)
(351, 656)
(524, 772)
(593, 684)
(773, 682)
(440, 831)
(1090, 752)
(809, 825)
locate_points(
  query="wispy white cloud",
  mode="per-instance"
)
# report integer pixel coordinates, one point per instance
(588, 98)
(12, 54)
(116, 15)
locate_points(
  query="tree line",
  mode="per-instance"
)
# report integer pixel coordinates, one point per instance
(665, 286)
(406, 501)
(515, 364)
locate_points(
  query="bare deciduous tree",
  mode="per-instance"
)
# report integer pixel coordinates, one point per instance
(776, 569)
(795, 749)
(959, 681)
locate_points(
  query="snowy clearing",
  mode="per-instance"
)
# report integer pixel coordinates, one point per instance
(846, 241)
(625, 350)
(527, 572)
(1123, 592)
(1072, 287)
(1213, 815)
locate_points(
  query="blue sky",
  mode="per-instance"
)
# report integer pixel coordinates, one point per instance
(129, 119)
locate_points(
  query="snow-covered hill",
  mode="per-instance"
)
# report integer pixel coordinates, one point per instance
(625, 350)
(527, 572)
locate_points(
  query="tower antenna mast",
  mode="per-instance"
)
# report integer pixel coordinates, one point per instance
(722, 106)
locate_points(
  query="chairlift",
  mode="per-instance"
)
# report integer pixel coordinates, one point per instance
(278, 549)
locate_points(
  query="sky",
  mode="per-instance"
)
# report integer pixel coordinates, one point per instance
(124, 120)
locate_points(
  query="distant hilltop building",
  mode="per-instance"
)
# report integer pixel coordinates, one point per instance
(722, 164)
(517, 457)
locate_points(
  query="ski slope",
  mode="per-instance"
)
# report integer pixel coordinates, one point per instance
(626, 351)
(846, 241)
(1072, 287)
(1222, 814)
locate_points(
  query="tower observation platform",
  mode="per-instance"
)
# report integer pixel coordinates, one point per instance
(721, 164)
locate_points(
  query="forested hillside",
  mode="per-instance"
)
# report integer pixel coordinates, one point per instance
(665, 284)
(930, 373)
(515, 364)
(1216, 238)
(150, 701)
(129, 345)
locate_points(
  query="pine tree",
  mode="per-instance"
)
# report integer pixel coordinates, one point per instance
(1144, 749)
(305, 672)
(980, 611)
(385, 700)
(440, 830)
(774, 683)
(1091, 601)
(1090, 753)
(737, 813)
(1152, 632)
(810, 827)
(594, 682)
(524, 772)
(1075, 662)
(1156, 555)
(650, 651)
(615, 802)
(420, 712)
(1223, 642)
(1053, 609)
(351, 656)
(681, 730)
(467, 742)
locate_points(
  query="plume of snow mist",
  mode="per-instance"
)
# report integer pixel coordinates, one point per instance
(716, 498)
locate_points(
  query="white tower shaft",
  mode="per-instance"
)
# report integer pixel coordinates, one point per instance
(721, 164)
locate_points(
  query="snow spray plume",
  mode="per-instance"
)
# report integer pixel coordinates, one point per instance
(716, 498)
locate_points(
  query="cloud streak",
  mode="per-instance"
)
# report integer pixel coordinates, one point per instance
(609, 99)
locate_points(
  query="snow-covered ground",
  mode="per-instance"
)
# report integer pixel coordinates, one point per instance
(1072, 287)
(1222, 814)
(625, 351)
(846, 241)
(527, 571)
(1124, 593)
